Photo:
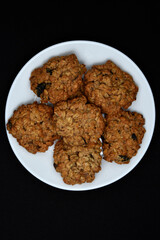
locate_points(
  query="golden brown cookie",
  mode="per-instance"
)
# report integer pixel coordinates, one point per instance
(78, 122)
(58, 79)
(77, 164)
(32, 126)
(110, 88)
(123, 135)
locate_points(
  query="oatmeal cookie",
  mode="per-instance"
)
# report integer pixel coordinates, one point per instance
(110, 88)
(123, 135)
(78, 122)
(77, 164)
(32, 126)
(58, 79)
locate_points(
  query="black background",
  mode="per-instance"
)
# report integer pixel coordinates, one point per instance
(126, 209)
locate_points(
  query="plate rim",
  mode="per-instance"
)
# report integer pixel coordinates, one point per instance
(70, 187)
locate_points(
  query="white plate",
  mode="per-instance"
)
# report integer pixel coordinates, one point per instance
(89, 53)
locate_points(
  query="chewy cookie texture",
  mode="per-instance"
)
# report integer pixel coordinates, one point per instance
(110, 88)
(58, 79)
(32, 126)
(76, 118)
(77, 164)
(78, 122)
(123, 135)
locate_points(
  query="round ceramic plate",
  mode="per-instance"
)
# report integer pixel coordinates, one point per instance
(89, 53)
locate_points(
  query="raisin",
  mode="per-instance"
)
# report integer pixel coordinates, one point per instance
(102, 138)
(55, 165)
(9, 124)
(49, 70)
(125, 158)
(134, 137)
(40, 88)
(84, 140)
(91, 156)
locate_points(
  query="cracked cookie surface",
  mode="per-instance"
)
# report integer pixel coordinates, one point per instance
(78, 122)
(32, 126)
(58, 79)
(110, 88)
(122, 137)
(77, 164)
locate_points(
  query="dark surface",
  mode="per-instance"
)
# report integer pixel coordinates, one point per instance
(126, 209)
